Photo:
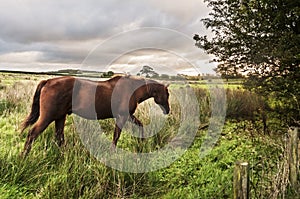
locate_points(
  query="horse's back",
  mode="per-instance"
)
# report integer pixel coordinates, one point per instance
(60, 82)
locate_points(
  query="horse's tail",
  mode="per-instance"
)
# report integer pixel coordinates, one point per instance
(35, 108)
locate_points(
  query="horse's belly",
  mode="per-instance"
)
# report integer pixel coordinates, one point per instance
(86, 114)
(104, 112)
(93, 113)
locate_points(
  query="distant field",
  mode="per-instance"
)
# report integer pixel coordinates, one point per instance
(11, 78)
(231, 84)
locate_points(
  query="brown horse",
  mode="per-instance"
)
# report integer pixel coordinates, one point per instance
(118, 98)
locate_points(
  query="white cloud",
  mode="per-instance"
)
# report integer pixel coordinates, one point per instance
(52, 33)
(20, 57)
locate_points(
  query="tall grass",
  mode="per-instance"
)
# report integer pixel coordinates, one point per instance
(240, 105)
(73, 172)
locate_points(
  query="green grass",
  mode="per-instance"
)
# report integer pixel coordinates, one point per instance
(72, 172)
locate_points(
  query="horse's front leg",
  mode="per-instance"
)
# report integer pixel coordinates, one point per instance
(140, 124)
(120, 122)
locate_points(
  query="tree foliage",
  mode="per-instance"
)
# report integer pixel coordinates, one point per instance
(148, 71)
(259, 38)
(107, 74)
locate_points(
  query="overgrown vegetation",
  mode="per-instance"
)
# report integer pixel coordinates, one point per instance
(72, 172)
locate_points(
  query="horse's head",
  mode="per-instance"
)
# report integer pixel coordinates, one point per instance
(161, 96)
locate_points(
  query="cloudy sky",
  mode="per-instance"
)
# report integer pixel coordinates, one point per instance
(118, 35)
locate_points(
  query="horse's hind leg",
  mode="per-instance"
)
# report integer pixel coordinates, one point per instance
(59, 130)
(34, 132)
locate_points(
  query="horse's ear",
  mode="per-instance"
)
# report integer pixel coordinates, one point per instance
(167, 85)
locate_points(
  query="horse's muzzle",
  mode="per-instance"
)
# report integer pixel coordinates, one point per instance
(166, 110)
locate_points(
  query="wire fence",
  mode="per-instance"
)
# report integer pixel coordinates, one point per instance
(266, 179)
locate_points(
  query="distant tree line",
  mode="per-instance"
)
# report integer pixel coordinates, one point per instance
(149, 72)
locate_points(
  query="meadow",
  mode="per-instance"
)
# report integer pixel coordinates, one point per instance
(73, 172)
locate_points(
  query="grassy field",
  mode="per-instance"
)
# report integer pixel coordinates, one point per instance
(72, 172)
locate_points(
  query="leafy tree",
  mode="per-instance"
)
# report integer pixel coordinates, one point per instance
(110, 73)
(107, 74)
(259, 38)
(148, 72)
(228, 72)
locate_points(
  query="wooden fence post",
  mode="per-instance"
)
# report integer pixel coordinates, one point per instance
(293, 157)
(241, 180)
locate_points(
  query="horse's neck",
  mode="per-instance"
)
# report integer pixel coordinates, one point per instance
(143, 93)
